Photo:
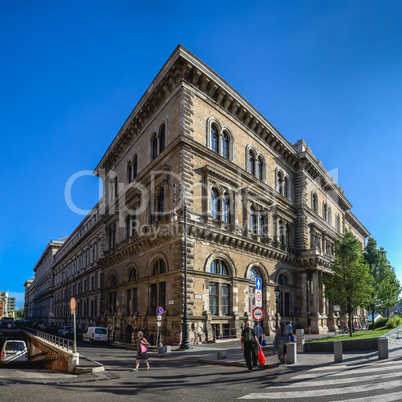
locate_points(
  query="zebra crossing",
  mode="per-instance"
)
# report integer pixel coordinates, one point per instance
(374, 381)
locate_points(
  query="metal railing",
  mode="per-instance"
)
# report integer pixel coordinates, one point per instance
(60, 342)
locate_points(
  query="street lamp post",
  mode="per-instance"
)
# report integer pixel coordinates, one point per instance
(277, 292)
(185, 343)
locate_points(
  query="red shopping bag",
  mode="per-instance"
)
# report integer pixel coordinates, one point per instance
(261, 357)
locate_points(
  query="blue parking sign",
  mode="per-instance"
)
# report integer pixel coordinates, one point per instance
(258, 283)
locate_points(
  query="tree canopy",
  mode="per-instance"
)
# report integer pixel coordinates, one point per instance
(386, 287)
(350, 286)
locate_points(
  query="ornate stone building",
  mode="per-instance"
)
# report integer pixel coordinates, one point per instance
(257, 206)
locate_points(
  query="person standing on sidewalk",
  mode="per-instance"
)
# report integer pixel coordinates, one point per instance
(249, 343)
(289, 330)
(142, 351)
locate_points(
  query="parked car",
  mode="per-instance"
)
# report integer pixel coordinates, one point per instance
(96, 334)
(14, 351)
(63, 331)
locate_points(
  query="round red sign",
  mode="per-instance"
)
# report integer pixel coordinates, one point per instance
(73, 303)
(258, 314)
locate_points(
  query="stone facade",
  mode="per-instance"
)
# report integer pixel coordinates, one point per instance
(256, 206)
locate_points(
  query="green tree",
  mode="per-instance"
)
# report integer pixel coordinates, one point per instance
(386, 287)
(350, 284)
(19, 313)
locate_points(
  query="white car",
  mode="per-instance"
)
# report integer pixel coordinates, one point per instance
(64, 330)
(96, 334)
(14, 351)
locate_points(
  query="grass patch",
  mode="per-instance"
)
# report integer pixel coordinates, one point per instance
(357, 335)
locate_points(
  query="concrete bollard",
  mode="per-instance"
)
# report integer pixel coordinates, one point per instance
(291, 353)
(300, 340)
(338, 352)
(161, 350)
(73, 360)
(383, 348)
(168, 348)
(221, 355)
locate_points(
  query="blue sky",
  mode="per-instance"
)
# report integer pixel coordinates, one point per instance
(329, 72)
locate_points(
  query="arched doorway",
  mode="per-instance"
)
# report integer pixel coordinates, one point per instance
(128, 335)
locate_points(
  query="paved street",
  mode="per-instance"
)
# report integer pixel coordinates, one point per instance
(179, 376)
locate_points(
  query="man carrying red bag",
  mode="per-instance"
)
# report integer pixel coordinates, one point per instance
(249, 343)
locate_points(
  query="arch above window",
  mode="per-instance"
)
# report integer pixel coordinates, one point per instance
(314, 201)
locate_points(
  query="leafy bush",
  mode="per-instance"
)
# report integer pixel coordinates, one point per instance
(381, 322)
(394, 322)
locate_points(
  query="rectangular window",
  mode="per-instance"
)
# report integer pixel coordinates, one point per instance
(162, 294)
(92, 283)
(213, 298)
(153, 299)
(225, 299)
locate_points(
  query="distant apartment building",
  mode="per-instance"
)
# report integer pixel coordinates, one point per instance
(196, 158)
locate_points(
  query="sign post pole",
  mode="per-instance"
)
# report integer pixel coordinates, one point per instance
(159, 312)
(73, 305)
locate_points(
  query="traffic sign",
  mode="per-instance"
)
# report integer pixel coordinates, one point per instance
(258, 298)
(159, 310)
(159, 323)
(258, 283)
(73, 304)
(258, 314)
(159, 317)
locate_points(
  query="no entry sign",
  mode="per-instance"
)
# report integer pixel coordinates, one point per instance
(258, 314)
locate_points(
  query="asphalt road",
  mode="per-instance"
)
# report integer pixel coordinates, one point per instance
(176, 377)
(179, 377)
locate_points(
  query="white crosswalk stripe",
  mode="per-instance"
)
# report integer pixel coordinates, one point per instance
(342, 380)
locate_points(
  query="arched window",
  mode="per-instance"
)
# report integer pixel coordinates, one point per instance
(251, 163)
(162, 138)
(226, 208)
(281, 233)
(218, 267)
(329, 215)
(159, 267)
(337, 222)
(283, 280)
(287, 234)
(314, 202)
(285, 187)
(215, 204)
(154, 143)
(160, 204)
(324, 210)
(261, 225)
(253, 221)
(132, 275)
(214, 139)
(135, 167)
(280, 183)
(113, 281)
(254, 273)
(116, 187)
(260, 166)
(129, 172)
(225, 145)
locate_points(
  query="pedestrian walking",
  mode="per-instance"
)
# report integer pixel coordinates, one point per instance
(289, 330)
(142, 351)
(258, 332)
(249, 343)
